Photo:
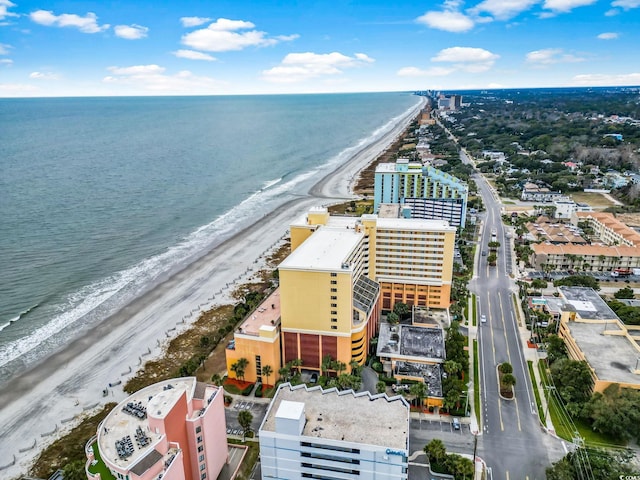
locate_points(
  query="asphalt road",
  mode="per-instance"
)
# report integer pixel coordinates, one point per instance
(512, 441)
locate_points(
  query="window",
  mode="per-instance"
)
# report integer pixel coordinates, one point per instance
(198, 429)
(203, 476)
(333, 297)
(201, 458)
(334, 305)
(334, 312)
(334, 282)
(200, 449)
(333, 320)
(199, 439)
(202, 467)
(334, 274)
(334, 327)
(334, 290)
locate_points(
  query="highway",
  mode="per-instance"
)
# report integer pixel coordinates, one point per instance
(512, 442)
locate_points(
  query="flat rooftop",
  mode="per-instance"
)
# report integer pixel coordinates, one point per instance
(341, 415)
(266, 315)
(431, 373)
(411, 343)
(414, 224)
(327, 249)
(587, 303)
(389, 210)
(611, 356)
(130, 419)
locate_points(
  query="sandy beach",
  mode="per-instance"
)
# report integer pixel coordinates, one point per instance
(41, 404)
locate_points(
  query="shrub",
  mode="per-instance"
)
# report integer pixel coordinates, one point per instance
(247, 390)
(377, 366)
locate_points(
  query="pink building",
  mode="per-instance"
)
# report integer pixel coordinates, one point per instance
(173, 430)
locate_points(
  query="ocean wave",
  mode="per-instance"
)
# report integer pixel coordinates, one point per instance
(20, 316)
(98, 300)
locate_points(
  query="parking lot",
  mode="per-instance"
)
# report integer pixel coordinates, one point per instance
(600, 276)
(258, 410)
(456, 441)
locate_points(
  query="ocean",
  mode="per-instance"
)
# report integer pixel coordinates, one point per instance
(101, 199)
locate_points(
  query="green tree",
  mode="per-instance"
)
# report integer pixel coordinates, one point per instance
(506, 367)
(381, 387)
(492, 259)
(419, 391)
(239, 368)
(326, 365)
(452, 367)
(392, 318)
(578, 281)
(74, 470)
(626, 292)
(556, 348)
(508, 380)
(216, 379)
(573, 380)
(459, 466)
(355, 368)
(538, 284)
(267, 371)
(245, 417)
(615, 412)
(401, 309)
(436, 451)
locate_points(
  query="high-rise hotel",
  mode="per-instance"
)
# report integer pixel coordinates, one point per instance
(341, 272)
(429, 193)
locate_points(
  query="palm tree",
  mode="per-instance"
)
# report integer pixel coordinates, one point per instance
(267, 371)
(284, 372)
(326, 364)
(419, 391)
(355, 368)
(216, 379)
(245, 417)
(436, 451)
(242, 366)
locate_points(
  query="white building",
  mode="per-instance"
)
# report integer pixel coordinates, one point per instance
(327, 434)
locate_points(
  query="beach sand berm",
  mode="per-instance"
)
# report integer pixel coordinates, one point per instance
(44, 402)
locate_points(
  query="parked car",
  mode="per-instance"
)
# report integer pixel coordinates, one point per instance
(456, 423)
(484, 253)
(483, 318)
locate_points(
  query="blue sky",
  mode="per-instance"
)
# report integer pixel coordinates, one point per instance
(158, 47)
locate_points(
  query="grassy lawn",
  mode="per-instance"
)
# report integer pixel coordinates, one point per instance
(562, 425)
(596, 200)
(535, 390)
(514, 299)
(100, 467)
(476, 382)
(473, 309)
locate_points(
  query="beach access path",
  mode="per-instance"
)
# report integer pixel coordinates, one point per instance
(42, 404)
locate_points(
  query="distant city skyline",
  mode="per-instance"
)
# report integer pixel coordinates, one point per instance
(196, 47)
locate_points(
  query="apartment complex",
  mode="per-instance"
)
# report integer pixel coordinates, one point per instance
(341, 273)
(315, 433)
(593, 332)
(429, 192)
(534, 193)
(174, 430)
(613, 245)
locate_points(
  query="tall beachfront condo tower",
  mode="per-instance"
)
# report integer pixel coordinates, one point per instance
(429, 193)
(343, 270)
(174, 430)
(313, 433)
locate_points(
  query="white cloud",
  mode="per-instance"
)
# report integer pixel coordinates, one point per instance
(608, 36)
(137, 70)
(194, 21)
(550, 56)
(503, 9)
(447, 20)
(564, 6)
(151, 78)
(86, 24)
(611, 13)
(296, 67)
(193, 55)
(428, 72)
(131, 32)
(223, 35)
(4, 49)
(6, 61)
(468, 59)
(44, 76)
(597, 79)
(5, 5)
(626, 4)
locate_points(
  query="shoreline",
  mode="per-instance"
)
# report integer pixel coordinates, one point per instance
(40, 404)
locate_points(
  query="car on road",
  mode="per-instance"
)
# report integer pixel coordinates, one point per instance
(483, 319)
(484, 253)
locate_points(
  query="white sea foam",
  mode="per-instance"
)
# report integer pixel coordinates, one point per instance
(124, 286)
